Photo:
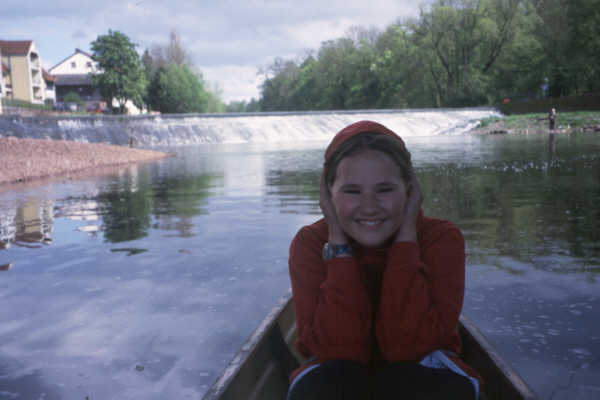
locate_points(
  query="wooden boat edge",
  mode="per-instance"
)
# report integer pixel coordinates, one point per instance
(518, 388)
(469, 332)
(233, 368)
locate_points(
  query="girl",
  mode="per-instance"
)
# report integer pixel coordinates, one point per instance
(377, 287)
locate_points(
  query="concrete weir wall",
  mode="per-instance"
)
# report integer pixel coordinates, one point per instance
(145, 130)
(184, 129)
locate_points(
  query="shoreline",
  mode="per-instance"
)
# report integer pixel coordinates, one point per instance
(28, 160)
(568, 122)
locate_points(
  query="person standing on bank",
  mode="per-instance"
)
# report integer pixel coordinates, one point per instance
(552, 119)
(377, 286)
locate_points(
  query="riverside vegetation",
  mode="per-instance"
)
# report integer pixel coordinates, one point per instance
(456, 53)
(584, 121)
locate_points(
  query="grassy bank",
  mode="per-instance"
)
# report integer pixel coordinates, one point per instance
(582, 121)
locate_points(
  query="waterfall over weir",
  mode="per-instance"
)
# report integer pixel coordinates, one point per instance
(174, 130)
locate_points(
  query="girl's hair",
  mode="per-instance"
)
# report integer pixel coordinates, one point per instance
(394, 148)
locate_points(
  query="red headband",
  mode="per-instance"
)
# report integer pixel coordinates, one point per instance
(353, 130)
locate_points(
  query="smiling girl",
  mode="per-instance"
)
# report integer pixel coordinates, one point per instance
(377, 286)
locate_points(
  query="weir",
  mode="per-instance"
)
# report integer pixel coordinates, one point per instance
(184, 129)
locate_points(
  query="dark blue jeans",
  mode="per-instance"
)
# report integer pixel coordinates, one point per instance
(348, 380)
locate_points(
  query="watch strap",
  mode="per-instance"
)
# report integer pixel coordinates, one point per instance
(331, 251)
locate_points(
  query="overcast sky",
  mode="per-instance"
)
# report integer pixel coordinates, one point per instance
(227, 39)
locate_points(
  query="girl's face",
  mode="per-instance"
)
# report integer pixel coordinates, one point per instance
(369, 197)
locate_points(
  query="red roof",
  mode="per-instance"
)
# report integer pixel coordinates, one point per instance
(15, 47)
(47, 76)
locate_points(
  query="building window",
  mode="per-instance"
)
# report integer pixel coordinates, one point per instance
(89, 64)
(73, 65)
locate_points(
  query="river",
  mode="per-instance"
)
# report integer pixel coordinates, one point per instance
(142, 283)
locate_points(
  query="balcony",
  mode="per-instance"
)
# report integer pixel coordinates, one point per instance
(36, 78)
(34, 60)
(38, 95)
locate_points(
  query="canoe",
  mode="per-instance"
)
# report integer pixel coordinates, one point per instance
(261, 368)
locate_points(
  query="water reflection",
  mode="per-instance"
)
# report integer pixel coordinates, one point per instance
(29, 225)
(551, 146)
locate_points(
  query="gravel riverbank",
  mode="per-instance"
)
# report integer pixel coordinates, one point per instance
(28, 159)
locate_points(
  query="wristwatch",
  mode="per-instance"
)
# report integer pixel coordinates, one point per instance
(336, 250)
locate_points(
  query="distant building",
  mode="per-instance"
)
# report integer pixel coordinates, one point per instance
(74, 74)
(78, 63)
(22, 73)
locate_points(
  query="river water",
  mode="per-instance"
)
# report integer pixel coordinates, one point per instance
(143, 282)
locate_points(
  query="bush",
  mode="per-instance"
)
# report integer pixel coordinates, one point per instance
(73, 97)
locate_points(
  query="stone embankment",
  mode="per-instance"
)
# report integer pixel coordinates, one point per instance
(27, 159)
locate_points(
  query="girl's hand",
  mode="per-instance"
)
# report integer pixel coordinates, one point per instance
(408, 228)
(336, 234)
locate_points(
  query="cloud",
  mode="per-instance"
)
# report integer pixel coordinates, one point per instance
(78, 34)
(236, 82)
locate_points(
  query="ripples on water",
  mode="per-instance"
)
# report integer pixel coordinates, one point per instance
(143, 284)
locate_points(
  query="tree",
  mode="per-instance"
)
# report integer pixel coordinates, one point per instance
(174, 86)
(122, 78)
(148, 65)
(584, 43)
(403, 79)
(175, 52)
(177, 89)
(463, 40)
(214, 102)
(456, 53)
(159, 56)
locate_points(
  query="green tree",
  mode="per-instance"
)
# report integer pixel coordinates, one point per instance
(148, 65)
(584, 43)
(334, 73)
(214, 104)
(552, 33)
(176, 89)
(455, 53)
(464, 39)
(122, 78)
(519, 71)
(161, 55)
(169, 69)
(236, 106)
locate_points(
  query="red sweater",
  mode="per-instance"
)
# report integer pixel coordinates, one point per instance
(397, 303)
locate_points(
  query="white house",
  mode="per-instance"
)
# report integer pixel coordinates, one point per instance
(74, 74)
(77, 63)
